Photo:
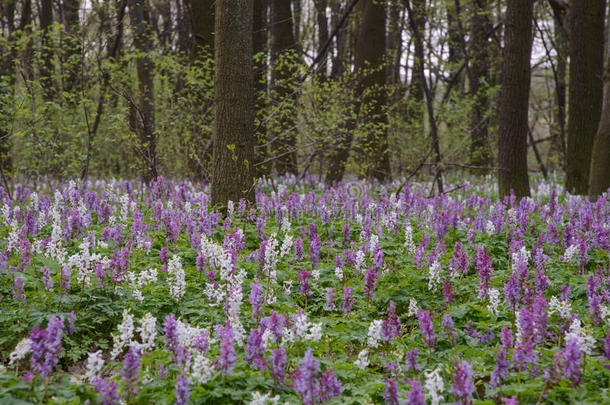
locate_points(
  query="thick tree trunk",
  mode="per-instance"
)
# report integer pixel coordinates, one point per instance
(558, 144)
(513, 111)
(415, 110)
(72, 46)
(371, 89)
(586, 22)
(322, 23)
(600, 162)
(480, 154)
(145, 107)
(201, 13)
(46, 48)
(339, 58)
(260, 51)
(233, 164)
(283, 138)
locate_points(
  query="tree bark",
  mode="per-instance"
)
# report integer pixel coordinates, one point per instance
(600, 161)
(322, 24)
(72, 46)
(480, 154)
(371, 86)
(232, 167)
(558, 144)
(201, 21)
(415, 110)
(585, 87)
(139, 14)
(283, 144)
(513, 111)
(46, 66)
(260, 52)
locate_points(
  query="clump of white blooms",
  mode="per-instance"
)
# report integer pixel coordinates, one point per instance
(363, 359)
(435, 276)
(286, 245)
(409, 244)
(520, 256)
(494, 301)
(271, 258)
(373, 242)
(303, 330)
(230, 208)
(563, 308)
(606, 313)
(140, 281)
(511, 216)
(490, 228)
(233, 312)
(359, 263)
(585, 342)
(217, 257)
(374, 335)
(571, 254)
(177, 282)
(339, 273)
(315, 275)
(435, 386)
(147, 331)
(263, 399)
(95, 362)
(21, 350)
(413, 309)
(126, 335)
(285, 226)
(202, 369)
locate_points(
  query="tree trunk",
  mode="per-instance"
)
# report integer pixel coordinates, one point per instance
(586, 22)
(260, 51)
(201, 14)
(72, 46)
(480, 154)
(415, 110)
(232, 167)
(339, 57)
(46, 66)
(600, 162)
(513, 111)
(322, 23)
(371, 89)
(145, 108)
(283, 144)
(558, 144)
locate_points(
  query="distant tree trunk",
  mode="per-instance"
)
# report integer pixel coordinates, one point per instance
(322, 24)
(7, 69)
(455, 40)
(259, 45)
(233, 163)
(72, 46)
(558, 144)
(371, 86)
(25, 25)
(339, 58)
(139, 14)
(586, 21)
(513, 109)
(600, 161)
(46, 66)
(201, 14)
(415, 110)
(283, 144)
(480, 154)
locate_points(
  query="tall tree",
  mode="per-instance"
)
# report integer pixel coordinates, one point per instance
(558, 144)
(371, 89)
(232, 167)
(513, 108)
(144, 108)
(283, 143)
(600, 161)
(322, 25)
(260, 52)
(480, 30)
(72, 45)
(201, 21)
(585, 87)
(46, 66)
(415, 110)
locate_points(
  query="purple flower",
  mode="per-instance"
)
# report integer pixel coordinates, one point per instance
(163, 255)
(108, 391)
(256, 298)
(46, 347)
(416, 395)
(131, 371)
(18, 288)
(278, 365)
(370, 281)
(510, 401)
(227, 359)
(346, 234)
(305, 382)
(448, 292)
(71, 318)
(298, 249)
(411, 363)
(460, 261)
(315, 245)
(330, 386)
(348, 300)
(427, 328)
(46, 278)
(391, 326)
(506, 337)
(182, 390)
(304, 281)
(391, 392)
(330, 299)
(260, 227)
(512, 291)
(463, 385)
(485, 269)
(501, 370)
(606, 350)
(255, 351)
(170, 327)
(572, 360)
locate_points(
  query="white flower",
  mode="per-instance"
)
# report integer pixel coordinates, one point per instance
(315, 332)
(435, 276)
(571, 254)
(359, 260)
(148, 331)
(511, 215)
(94, 364)
(585, 341)
(177, 283)
(202, 369)
(339, 273)
(21, 350)
(363, 359)
(606, 313)
(563, 308)
(315, 275)
(301, 325)
(374, 335)
(494, 301)
(413, 308)
(287, 286)
(230, 208)
(409, 244)
(260, 399)
(373, 242)
(286, 246)
(490, 228)
(435, 386)
(126, 336)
